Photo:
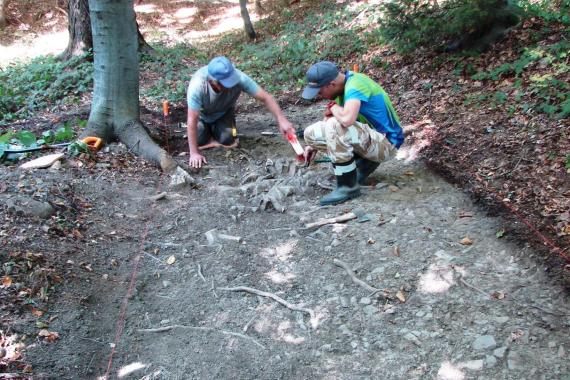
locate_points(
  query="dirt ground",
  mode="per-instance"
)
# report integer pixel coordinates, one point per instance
(102, 280)
(453, 300)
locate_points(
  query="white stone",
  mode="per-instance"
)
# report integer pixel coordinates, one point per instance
(484, 342)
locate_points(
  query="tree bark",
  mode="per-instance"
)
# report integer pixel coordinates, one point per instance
(80, 38)
(3, 5)
(246, 20)
(115, 106)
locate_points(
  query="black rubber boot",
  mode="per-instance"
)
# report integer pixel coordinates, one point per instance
(364, 168)
(347, 188)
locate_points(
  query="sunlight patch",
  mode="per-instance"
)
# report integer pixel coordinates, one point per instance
(279, 278)
(438, 279)
(448, 371)
(280, 252)
(145, 8)
(128, 369)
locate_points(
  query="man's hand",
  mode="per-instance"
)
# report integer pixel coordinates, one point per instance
(328, 112)
(286, 127)
(309, 154)
(196, 160)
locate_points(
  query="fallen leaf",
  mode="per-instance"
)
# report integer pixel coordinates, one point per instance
(36, 312)
(466, 241)
(409, 173)
(500, 233)
(401, 296)
(6, 281)
(171, 260)
(393, 188)
(396, 251)
(498, 295)
(371, 241)
(49, 336)
(465, 214)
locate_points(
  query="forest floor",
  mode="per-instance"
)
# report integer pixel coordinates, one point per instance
(102, 279)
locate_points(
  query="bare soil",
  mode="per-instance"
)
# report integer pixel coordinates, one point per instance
(91, 261)
(455, 302)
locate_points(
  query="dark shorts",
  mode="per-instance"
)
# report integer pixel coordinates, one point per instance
(221, 130)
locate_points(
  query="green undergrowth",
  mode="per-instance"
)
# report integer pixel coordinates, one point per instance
(26, 88)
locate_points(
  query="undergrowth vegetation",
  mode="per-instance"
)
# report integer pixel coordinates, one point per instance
(26, 88)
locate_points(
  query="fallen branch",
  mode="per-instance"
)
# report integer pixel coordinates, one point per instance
(197, 328)
(273, 297)
(355, 279)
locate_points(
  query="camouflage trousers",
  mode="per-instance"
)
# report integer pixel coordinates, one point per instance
(342, 143)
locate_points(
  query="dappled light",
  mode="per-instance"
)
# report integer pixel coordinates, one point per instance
(281, 252)
(438, 279)
(448, 371)
(130, 368)
(420, 135)
(287, 337)
(44, 44)
(278, 277)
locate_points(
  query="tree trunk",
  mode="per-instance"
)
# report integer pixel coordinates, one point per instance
(115, 106)
(80, 38)
(246, 20)
(3, 5)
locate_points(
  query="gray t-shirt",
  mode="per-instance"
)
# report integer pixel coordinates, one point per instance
(212, 105)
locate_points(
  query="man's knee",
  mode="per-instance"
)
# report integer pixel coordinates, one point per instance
(226, 137)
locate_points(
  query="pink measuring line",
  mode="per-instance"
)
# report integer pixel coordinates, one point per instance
(121, 318)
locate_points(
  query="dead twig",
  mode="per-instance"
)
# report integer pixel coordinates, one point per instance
(200, 273)
(355, 279)
(468, 285)
(198, 328)
(273, 297)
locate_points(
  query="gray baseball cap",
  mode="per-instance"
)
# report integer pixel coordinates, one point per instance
(319, 75)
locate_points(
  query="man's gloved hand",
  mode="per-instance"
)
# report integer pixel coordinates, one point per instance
(328, 112)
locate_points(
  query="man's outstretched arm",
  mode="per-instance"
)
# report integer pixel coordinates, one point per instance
(285, 126)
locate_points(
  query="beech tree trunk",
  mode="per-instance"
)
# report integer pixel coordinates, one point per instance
(3, 5)
(115, 107)
(80, 38)
(246, 20)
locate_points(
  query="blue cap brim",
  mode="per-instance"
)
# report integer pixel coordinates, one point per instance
(310, 92)
(231, 81)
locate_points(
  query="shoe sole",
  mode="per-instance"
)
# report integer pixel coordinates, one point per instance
(351, 196)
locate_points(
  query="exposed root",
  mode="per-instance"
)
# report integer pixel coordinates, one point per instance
(273, 297)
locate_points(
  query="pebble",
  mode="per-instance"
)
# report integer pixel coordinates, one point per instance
(502, 320)
(473, 365)
(551, 344)
(344, 302)
(484, 342)
(344, 330)
(370, 310)
(412, 338)
(561, 351)
(500, 352)
(335, 243)
(365, 301)
(490, 361)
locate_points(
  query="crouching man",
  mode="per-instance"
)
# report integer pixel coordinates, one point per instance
(360, 129)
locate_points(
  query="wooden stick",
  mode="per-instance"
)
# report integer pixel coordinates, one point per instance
(338, 219)
(197, 328)
(273, 297)
(355, 279)
(200, 273)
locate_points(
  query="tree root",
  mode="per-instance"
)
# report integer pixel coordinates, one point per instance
(358, 281)
(275, 298)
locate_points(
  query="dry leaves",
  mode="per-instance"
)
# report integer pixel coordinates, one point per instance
(401, 296)
(466, 241)
(49, 336)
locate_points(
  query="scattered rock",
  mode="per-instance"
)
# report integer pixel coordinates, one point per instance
(484, 342)
(472, 365)
(365, 301)
(490, 361)
(500, 352)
